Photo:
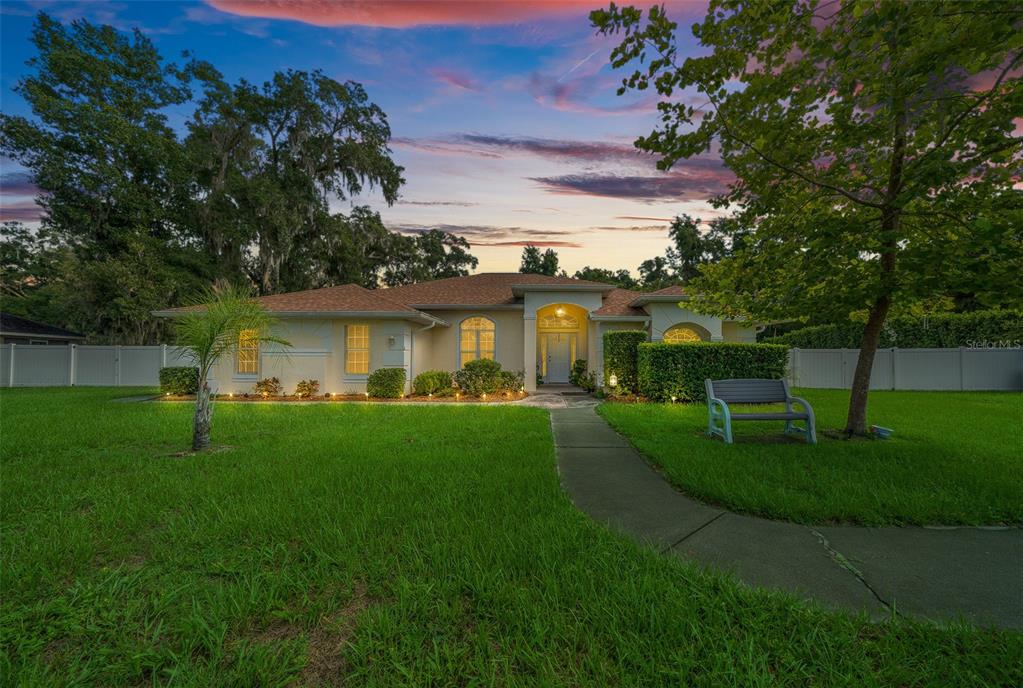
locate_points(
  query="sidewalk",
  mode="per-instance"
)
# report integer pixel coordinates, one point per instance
(971, 574)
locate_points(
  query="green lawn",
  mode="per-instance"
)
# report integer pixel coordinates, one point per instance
(954, 458)
(380, 545)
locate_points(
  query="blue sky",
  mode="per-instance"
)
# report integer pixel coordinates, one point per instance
(503, 114)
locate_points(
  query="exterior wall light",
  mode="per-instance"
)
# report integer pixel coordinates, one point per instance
(560, 312)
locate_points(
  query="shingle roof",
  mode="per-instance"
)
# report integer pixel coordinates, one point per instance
(485, 289)
(673, 290)
(13, 324)
(617, 304)
(346, 297)
(672, 293)
(343, 298)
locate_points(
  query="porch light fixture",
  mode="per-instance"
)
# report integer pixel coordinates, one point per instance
(560, 312)
(612, 380)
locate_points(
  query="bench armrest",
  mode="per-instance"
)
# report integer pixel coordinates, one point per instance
(712, 402)
(802, 402)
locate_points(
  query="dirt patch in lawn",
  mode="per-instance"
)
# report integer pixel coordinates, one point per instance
(326, 640)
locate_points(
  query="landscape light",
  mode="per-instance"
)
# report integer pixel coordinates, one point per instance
(230, 395)
(613, 380)
(673, 399)
(483, 396)
(367, 394)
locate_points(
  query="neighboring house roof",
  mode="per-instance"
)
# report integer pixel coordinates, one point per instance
(485, 289)
(13, 325)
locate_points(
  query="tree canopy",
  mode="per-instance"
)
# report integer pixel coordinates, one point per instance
(873, 145)
(140, 217)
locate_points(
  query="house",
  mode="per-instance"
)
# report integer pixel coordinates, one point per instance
(525, 322)
(17, 330)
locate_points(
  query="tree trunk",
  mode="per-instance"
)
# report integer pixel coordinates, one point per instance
(201, 422)
(856, 423)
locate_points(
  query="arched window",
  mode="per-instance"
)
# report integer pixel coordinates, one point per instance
(680, 334)
(476, 337)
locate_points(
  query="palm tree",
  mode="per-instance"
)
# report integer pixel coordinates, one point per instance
(211, 329)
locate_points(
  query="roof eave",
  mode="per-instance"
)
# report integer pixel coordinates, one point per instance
(522, 289)
(467, 306)
(665, 298)
(620, 318)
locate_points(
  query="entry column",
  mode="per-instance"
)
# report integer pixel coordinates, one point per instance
(529, 350)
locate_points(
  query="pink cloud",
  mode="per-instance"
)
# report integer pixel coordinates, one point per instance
(20, 211)
(520, 244)
(401, 14)
(459, 80)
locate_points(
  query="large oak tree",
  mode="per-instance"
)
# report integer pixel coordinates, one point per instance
(875, 146)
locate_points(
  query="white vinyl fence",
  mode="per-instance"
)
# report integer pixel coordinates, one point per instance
(23, 365)
(26, 365)
(961, 369)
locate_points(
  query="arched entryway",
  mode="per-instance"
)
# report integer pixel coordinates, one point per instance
(561, 339)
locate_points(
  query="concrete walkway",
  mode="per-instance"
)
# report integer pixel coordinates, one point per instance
(972, 574)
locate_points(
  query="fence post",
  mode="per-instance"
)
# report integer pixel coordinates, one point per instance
(10, 367)
(892, 366)
(117, 365)
(962, 372)
(163, 355)
(71, 365)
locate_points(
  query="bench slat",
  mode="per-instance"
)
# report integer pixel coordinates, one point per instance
(749, 391)
(770, 416)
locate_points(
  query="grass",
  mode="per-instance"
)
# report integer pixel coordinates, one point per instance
(954, 458)
(382, 546)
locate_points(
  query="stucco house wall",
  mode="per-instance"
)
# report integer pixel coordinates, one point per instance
(442, 345)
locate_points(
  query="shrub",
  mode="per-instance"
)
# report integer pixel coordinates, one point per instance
(620, 349)
(580, 377)
(945, 330)
(386, 383)
(307, 388)
(179, 380)
(269, 387)
(510, 380)
(482, 376)
(437, 382)
(678, 370)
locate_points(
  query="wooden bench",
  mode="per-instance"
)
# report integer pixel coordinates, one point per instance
(721, 393)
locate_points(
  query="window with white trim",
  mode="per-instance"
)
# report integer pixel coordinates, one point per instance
(476, 339)
(357, 349)
(248, 353)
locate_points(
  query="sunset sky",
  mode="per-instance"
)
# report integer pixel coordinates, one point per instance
(503, 114)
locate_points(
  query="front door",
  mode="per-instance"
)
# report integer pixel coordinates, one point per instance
(559, 347)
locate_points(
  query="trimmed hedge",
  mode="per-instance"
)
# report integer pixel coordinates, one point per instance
(620, 349)
(386, 383)
(482, 376)
(948, 330)
(437, 382)
(179, 380)
(679, 370)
